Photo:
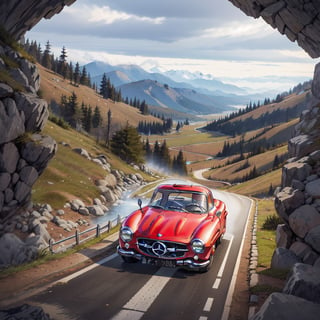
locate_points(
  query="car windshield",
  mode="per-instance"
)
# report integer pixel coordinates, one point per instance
(184, 201)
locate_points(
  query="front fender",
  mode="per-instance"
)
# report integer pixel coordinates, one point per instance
(208, 231)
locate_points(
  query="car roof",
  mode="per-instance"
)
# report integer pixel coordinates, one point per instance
(184, 187)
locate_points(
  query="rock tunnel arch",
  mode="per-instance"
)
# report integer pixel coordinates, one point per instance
(298, 20)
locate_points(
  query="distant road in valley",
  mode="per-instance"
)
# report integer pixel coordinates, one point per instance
(198, 174)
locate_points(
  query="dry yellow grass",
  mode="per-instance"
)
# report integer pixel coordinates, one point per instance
(53, 86)
(259, 185)
(288, 102)
(262, 162)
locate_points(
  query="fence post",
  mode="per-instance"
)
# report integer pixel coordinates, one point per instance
(109, 225)
(51, 245)
(98, 231)
(118, 220)
(77, 237)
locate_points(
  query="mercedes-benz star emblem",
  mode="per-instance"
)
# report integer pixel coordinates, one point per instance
(159, 248)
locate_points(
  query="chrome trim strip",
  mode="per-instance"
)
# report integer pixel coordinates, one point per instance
(180, 263)
(192, 264)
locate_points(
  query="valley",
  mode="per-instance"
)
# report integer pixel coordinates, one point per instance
(201, 149)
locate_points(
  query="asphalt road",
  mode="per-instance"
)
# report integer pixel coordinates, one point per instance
(115, 290)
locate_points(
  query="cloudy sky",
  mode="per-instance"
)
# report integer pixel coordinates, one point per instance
(210, 36)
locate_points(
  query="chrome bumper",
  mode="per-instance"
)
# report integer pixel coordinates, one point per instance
(187, 263)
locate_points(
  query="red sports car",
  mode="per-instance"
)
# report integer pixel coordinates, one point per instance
(180, 227)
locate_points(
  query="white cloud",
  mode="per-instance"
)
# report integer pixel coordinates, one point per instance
(239, 29)
(106, 15)
(213, 37)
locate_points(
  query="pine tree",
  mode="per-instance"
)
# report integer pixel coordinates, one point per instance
(74, 117)
(84, 77)
(181, 167)
(76, 74)
(63, 67)
(156, 152)
(164, 155)
(126, 143)
(70, 72)
(46, 59)
(96, 119)
(148, 150)
(104, 87)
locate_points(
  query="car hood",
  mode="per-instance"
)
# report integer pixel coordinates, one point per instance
(169, 225)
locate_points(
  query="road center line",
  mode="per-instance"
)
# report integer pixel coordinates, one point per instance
(216, 283)
(208, 305)
(143, 299)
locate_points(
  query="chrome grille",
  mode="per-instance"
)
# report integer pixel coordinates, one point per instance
(162, 249)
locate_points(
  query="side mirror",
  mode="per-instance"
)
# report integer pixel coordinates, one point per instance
(218, 214)
(139, 203)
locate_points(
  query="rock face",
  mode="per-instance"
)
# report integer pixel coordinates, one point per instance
(298, 204)
(24, 152)
(19, 16)
(297, 19)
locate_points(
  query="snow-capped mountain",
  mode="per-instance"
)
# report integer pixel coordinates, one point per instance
(182, 91)
(180, 99)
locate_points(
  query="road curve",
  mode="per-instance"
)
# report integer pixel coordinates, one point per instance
(198, 174)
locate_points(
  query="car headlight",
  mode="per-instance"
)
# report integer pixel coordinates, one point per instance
(197, 245)
(126, 234)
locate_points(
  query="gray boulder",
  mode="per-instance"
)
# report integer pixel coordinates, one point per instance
(14, 251)
(304, 282)
(303, 219)
(284, 259)
(95, 210)
(287, 200)
(76, 204)
(82, 152)
(11, 120)
(313, 188)
(313, 238)
(283, 236)
(300, 249)
(287, 307)
(295, 171)
(35, 110)
(111, 180)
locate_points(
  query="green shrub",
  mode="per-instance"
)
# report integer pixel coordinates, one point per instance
(271, 222)
(60, 122)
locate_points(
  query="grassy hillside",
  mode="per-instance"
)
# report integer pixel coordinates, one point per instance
(287, 103)
(70, 175)
(53, 86)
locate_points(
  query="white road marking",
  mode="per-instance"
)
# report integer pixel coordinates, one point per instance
(203, 318)
(128, 315)
(227, 305)
(223, 264)
(208, 305)
(143, 299)
(80, 272)
(216, 283)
